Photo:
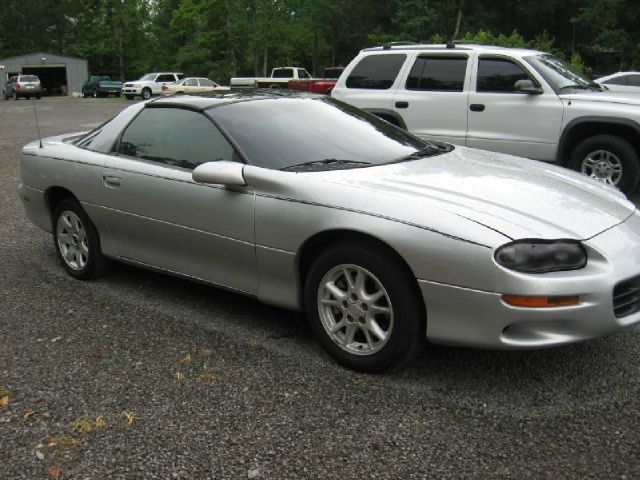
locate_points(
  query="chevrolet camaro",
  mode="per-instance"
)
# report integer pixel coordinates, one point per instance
(385, 240)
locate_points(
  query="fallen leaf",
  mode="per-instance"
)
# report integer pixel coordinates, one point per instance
(180, 376)
(56, 472)
(4, 401)
(61, 441)
(129, 416)
(28, 415)
(82, 424)
(208, 376)
(186, 359)
(48, 288)
(100, 422)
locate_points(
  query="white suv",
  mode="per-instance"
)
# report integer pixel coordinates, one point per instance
(150, 84)
(521, 102)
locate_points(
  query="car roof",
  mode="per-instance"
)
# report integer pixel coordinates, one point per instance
(451, 47)
(216, 99)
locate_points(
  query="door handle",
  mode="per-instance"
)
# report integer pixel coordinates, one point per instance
(111, 182)
(402, 104)
(476, 107)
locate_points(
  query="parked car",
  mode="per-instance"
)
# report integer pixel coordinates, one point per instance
(516, 101)
(193, 85)
(22, 86)
(279, 78)
(304, 202)
(622, 82)
(150, 84)
(322, 85)
(101, 86)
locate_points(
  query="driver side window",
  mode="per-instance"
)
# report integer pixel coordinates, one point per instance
(175, 137)
(499, 75)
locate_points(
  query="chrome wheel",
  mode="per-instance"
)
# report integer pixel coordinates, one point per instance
(72, 240)
(355, 309)
(604, 166)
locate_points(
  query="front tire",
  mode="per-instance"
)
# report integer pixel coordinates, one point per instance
(77, 241)
(608, 158)
(146, 94)
(364, 306)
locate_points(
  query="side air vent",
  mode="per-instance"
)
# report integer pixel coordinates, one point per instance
(626, 298)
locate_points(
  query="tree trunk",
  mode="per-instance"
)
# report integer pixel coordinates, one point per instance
(230, 41)
(314, 60)
(121, 45)
(265, 59)
(458, 19)
(256, 59)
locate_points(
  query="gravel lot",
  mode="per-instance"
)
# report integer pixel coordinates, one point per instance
(139, 375)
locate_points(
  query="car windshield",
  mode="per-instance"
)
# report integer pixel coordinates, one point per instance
(148, 76)
(560, 74)
(302, 134)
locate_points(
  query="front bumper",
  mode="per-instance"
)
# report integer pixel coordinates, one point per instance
(133, 90)
(462, 316)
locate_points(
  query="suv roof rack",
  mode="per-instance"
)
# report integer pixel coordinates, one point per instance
(389, 45)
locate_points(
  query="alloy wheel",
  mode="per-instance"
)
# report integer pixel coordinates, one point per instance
(355, 309)
(72, 240)
(603, 165)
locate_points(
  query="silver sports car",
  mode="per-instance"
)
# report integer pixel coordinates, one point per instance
(385, 240)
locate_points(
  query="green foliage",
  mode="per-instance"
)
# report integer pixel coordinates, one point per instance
(224, 38)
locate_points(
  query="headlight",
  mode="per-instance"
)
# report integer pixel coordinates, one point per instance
(541, 256)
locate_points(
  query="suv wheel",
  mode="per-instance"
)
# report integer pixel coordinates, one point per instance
(146, 94)
(608, 158)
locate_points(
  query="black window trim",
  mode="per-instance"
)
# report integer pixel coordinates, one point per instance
(493, 56)
(116, 144)
(446, 55)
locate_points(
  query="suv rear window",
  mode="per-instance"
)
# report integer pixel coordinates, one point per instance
(437, 73)
(28, 78)
(376, 72)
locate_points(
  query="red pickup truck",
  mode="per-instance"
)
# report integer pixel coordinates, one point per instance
(322, 85)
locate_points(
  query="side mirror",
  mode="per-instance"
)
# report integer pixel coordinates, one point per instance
(221, 172)
(527, 86)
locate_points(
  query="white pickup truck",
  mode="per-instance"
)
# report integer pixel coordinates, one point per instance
(516, 101)
(279, 78)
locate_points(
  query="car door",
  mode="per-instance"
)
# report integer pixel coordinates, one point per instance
(501, 119)
(190, 85)
(162, 79)
(433, 99)
(159, 217)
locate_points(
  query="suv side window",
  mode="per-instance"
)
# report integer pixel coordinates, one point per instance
(499, 75)
(437, 73)
(376, 72)
(166, 78)
(175, 137)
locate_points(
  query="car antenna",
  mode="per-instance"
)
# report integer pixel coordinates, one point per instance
(35, 113)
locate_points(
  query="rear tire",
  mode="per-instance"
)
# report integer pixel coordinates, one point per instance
(373, 321)
(77, 242)
(608, 158)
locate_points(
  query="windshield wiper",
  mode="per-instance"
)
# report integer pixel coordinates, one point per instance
(428, 151)
(333, 162)
(582, 87)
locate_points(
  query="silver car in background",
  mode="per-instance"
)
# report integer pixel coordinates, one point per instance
(26, 86)
(304, 202)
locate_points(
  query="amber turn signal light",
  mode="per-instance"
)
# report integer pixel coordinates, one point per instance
(541, 302)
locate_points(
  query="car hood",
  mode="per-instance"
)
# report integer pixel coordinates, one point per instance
(517, 197)
(627, 98)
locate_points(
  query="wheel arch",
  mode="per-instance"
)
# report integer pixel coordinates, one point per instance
(321, 241)
(54, 195)
(585, 127)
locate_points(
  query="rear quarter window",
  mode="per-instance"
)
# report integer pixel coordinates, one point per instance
(376, 72)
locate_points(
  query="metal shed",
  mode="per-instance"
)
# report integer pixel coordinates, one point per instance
(59, 74)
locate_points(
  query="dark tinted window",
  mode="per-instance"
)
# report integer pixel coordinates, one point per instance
(283, 73)
(166, 78)
(437, 73)
(180, 76)
(173, 136)
(621, 80)
(28, 78)
(499, 75)
(634, 80)
(377, 72)
(281, 132)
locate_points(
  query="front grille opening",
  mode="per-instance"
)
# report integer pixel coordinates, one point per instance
(626, 298)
